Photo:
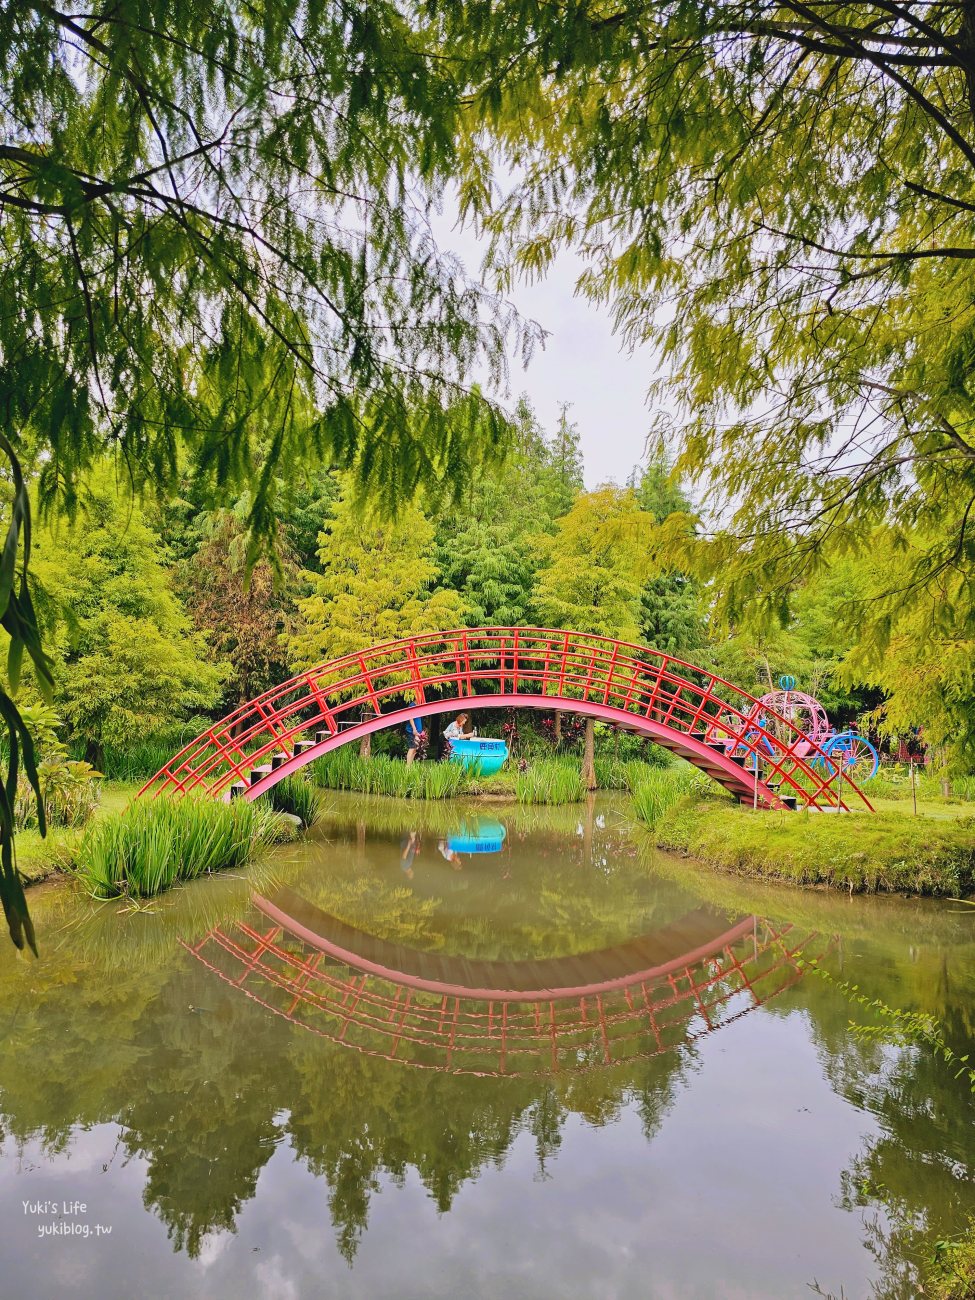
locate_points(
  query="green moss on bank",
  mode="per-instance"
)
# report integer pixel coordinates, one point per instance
(860, 853)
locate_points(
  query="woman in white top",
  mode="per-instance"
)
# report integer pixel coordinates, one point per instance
(456, 729)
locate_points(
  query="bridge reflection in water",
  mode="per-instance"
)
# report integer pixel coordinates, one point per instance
(505, 1018)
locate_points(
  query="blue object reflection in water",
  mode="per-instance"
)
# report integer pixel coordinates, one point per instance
(485, 835)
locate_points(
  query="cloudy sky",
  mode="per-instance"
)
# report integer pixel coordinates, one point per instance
(582, 363)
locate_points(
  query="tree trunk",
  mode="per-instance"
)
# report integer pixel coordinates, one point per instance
(365, 746)
(558, 727)
(589, 756)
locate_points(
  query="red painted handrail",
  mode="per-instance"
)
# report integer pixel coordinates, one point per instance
(675, 703)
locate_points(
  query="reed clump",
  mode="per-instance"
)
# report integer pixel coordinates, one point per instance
(656, 792)
(156, 843)
(550, 780)
(344, 769)
(297, 797)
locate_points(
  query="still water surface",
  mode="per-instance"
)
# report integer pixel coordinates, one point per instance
(478, 1051)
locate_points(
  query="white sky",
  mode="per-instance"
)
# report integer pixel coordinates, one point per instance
(582, 362)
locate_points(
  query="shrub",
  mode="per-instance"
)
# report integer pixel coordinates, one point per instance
(155, 843)
(69, 787)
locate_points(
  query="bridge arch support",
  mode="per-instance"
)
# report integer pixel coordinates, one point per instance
(720, 728)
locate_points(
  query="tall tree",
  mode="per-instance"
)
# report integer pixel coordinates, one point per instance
(214, 240)
(672, 604)
(597, 560)
(488, 546)
(244, 612)
(378, 581)
(565, 461)
(815, 318)
(126, 660)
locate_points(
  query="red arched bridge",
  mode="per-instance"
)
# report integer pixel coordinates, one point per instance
(726, 732)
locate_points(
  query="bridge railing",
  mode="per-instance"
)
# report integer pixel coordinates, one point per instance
(522, 665)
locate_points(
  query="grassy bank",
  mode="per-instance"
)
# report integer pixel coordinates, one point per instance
(889, 851)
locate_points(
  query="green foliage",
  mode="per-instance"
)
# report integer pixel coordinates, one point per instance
(126, 660)
(628, 773)
(814, 319)
(242, 609)
(489, 544)
(952, 1275)
(550, 780)
(138, 761)
(19, 623)
(378, 583)
(155, 843)
(565, 460)
(314, 322)
(902, 1027)
(298, 797)
(343, 769)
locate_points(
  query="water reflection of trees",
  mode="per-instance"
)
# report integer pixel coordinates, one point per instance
(914, 1181)
(111, 1027)
(204, 1088)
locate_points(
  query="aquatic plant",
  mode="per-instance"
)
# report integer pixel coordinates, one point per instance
(155, 843)
(344, 769)
(625, 773)
(658, 790)
(137, 762)
(550, 780)
(296, 796)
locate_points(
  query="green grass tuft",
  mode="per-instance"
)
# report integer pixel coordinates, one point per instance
(343, 769)
(296, 796)
(550, 780)
(155, 843)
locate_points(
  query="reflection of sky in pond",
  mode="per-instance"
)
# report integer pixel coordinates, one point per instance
(236, 1154)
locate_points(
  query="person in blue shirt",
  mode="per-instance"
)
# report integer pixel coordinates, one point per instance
(416, 737)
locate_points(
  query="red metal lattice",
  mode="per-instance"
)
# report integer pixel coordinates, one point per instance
(713, 724)
(500, 1032)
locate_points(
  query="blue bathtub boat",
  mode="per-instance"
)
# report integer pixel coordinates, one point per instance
(487, 755)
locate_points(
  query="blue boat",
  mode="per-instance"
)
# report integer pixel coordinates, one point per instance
(487, 755)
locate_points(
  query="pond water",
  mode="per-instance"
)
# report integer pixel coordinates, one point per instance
(479, 1050)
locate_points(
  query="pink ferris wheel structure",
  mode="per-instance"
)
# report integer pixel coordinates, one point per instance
(845, 752)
